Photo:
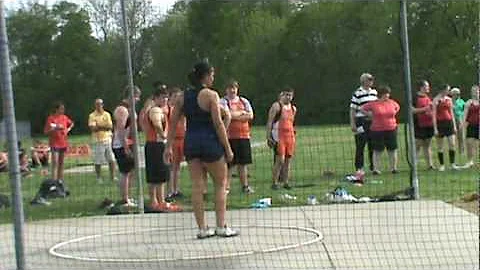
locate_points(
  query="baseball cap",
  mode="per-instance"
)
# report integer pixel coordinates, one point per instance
(455, 90)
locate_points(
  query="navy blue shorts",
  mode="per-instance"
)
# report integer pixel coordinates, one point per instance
(205, 147)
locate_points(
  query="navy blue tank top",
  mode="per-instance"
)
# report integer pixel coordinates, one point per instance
(198, 120)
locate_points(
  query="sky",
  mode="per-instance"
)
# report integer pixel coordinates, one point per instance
(162, 5)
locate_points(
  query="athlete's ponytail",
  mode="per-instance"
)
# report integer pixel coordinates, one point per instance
(199, 71)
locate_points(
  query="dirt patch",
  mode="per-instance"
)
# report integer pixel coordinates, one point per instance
(470, 203)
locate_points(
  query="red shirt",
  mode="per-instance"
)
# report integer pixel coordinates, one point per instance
(473, 114)
(424, 119)
(384, 114)
(444, 109)
(58, 136)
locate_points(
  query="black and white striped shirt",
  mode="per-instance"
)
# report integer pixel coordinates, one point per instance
(361, 97)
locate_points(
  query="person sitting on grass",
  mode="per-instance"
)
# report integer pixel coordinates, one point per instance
(3, 162)
(383, 131)
(23, 160)
(40, 154)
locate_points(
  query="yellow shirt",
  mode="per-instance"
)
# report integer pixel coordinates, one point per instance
(103, 120)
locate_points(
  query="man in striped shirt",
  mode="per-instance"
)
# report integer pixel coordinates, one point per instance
(359, 122)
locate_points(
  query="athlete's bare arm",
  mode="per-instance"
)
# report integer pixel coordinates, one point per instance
(274, 110)
(157, 117)
(121, 116)
(216, 114)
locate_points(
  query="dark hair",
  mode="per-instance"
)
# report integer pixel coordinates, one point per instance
(174, 90)
(200, 70)
(444, 87)
(126, 90)
(159, 85)
(421, 83)
(384, 89)
(287, 89)
(159, 92)
(233, 84)
(57, 105)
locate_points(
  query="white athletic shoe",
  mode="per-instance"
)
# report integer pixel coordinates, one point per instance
(441, 168)
(205, 233)
(469, 164)
(130, 203)
(455, 167)
(226, 232)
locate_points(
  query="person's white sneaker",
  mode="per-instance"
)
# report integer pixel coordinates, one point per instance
(468, 164)
(130, 203)
(441, 168)
(205, 233)
(455, 167)
(226, 232)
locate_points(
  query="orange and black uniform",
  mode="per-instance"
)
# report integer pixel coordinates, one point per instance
(239, 131)
(156, 170)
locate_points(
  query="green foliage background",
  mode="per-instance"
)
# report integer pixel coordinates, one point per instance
(318, 47)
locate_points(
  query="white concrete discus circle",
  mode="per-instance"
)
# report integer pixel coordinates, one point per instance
(318, 236)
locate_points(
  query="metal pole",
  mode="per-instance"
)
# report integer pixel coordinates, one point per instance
(478, 45)
(408, 84)
(14, 167)
(132, 107)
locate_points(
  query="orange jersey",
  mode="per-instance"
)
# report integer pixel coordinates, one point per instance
(286, 128)
(238, 129)
(181, 125)
(181, 128)
(151, 134)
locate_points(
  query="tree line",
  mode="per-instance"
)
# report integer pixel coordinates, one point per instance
(76, 53)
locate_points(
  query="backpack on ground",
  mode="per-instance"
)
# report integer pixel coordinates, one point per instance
(50, 188)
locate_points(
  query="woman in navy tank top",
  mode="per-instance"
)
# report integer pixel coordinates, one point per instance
(206, 146)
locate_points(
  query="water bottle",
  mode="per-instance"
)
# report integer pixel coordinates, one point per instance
(312, 200)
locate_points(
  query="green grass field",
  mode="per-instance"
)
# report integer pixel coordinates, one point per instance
(324, 156)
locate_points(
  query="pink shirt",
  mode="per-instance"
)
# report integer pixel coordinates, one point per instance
(384, 114)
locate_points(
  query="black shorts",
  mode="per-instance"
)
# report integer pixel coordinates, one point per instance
(445, 128)
(472, 132)
(125, 163)
(242, 152)
(423, 133)
(384, 139)
(156, 170)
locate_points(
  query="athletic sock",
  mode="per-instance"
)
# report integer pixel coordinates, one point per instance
(440, 158)
(451, 156)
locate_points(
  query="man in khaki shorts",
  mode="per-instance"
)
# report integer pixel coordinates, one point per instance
(100, 123)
